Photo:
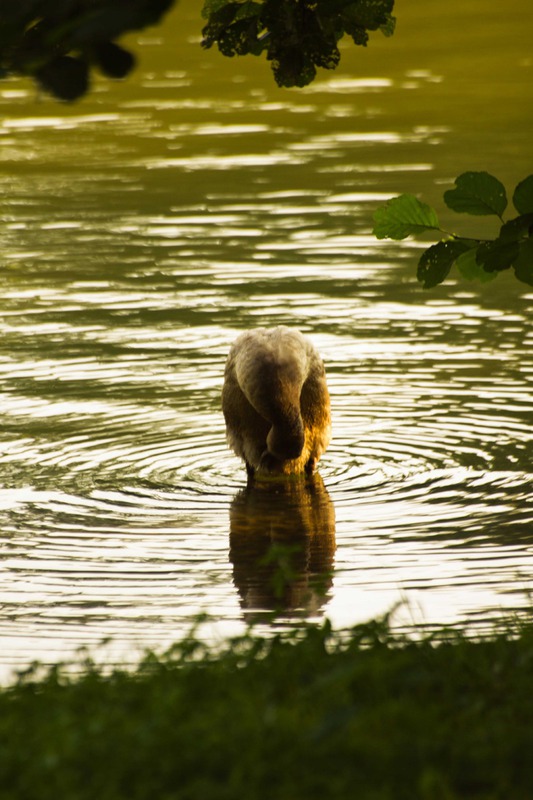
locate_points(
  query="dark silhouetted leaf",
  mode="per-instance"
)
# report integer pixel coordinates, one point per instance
(80, 24)
(211, 7)
(236, 28)
(477, 193)
(114, 61)
(388, 28)
(369, 14)
(523, 264)
(497, 255)
(436, 262)
(516, 229)
(56, 42)
(298, 35)
(67, 78)
(523, 196)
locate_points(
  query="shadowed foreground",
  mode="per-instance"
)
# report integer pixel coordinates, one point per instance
(312, 714)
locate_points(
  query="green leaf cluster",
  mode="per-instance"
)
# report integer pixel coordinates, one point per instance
(57, 42)
(297, 36)
(478, 194)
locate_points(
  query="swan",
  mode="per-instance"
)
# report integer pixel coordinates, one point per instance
(275, 402)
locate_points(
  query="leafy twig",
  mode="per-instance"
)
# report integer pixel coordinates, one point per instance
(479, 194)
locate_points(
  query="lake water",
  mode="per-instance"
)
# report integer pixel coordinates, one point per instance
(145, 227)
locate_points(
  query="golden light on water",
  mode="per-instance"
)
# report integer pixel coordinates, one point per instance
(145, 227)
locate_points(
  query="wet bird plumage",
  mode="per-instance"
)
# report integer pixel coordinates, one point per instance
(276, 401)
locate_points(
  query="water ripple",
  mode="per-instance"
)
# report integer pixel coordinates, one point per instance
(126, 273)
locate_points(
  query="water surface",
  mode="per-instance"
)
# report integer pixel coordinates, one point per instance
(144, 228)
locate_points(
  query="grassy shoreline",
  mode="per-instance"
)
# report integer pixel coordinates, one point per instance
(313, 714)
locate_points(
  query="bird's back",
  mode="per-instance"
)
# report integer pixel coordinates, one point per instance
(275, 401)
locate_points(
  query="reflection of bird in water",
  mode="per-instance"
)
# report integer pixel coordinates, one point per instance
(276, 402)
(282, 544)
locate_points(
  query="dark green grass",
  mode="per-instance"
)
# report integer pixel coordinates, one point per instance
(307, 715)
